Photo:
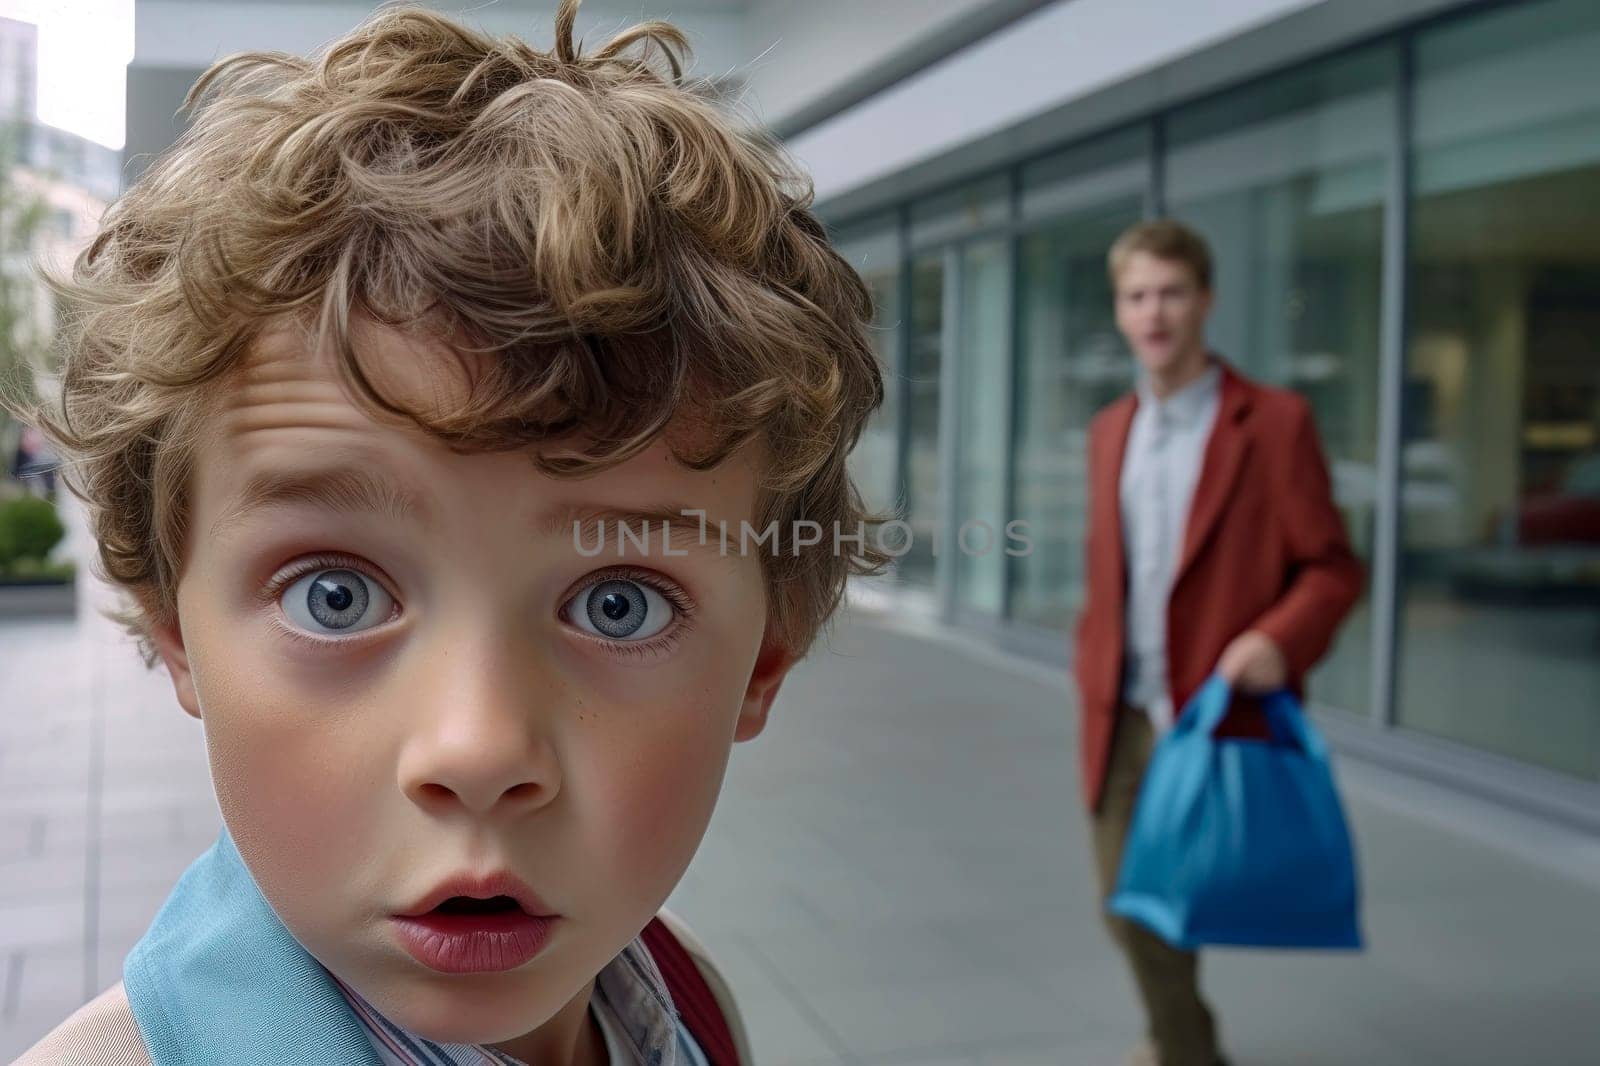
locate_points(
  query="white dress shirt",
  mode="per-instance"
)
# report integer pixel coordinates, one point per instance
(1160, 469)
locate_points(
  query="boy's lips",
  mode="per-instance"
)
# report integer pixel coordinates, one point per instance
(474, 943)
(472, 938)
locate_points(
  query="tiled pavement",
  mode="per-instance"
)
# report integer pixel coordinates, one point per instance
(897, 874)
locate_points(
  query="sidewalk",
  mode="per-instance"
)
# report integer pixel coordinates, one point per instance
(897, 873)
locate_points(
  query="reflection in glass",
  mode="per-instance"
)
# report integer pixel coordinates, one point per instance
(1072, 360)
(960, 212)
(1286, 181)
(875, 253)
(985, 388)
(1501, 625)
(924, 500)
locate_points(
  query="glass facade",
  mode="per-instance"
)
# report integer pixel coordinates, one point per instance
(1500, 633)
(984, 396)
(1071, 359)
(875, 253)
(1405, 227)
(1286, 181)
(922, 491)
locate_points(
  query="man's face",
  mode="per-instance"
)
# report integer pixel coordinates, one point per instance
(1161, 310)
(422, 676)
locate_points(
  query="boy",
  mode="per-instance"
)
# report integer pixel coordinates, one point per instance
(357, 372)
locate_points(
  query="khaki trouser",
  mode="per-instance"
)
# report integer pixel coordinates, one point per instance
(1181, 1026)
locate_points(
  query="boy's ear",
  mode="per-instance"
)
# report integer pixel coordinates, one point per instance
(168, 639)
(772, 666)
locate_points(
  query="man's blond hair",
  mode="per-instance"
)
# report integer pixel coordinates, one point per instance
(631, 260)
(1163, 238)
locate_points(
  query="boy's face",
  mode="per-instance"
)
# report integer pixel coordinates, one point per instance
(401, 684)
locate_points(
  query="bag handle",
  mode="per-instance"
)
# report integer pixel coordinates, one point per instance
(1285, 717)
(1206, 708)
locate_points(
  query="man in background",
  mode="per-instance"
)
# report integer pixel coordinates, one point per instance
(1214, 546)
(34, 466)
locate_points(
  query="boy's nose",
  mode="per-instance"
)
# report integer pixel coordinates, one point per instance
(470, 778)
(478, 737)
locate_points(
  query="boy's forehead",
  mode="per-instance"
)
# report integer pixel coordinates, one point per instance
(416, 372)
(288, 407)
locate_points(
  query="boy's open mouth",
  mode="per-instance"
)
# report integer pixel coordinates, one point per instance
(501, 894)
(472, 905)
(475, 934)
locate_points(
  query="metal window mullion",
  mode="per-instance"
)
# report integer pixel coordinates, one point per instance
(901, 382)
(1391, 384)
(950, 365)
(1155, 193)
(1008, 438)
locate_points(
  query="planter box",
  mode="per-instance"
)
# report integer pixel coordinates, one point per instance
(38, 598)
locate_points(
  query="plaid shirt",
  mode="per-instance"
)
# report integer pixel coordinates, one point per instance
(631, 1002)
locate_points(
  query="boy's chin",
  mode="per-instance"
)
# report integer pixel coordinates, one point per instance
(489, 1008)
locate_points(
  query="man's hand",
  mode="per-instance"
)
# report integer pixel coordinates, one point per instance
(1253, 663)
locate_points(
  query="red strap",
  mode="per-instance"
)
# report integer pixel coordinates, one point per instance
(693, 998)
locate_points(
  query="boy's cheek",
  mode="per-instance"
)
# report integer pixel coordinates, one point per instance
(295, 788)
(656, 803)
(299, 803)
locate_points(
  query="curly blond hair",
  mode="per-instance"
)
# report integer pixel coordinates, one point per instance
(629, 257)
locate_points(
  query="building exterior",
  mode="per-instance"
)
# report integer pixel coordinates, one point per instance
(38, 146)
(19, 52)
(1398, 198)
(1398, 194)
(67, 178)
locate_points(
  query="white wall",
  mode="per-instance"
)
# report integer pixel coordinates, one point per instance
(175, 40)
(193, 33)
(1057, 54)
(797, 51)
(19, 51)
(789, 52)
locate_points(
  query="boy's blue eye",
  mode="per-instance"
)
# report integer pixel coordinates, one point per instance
(336, 601)
(618, 609)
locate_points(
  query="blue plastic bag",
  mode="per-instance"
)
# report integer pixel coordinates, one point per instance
(1240, 841)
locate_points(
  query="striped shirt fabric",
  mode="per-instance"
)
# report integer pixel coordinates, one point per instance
(630, 1004)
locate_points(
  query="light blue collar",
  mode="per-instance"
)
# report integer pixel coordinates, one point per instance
(218, 978)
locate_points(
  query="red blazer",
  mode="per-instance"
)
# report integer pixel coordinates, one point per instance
(1264, 549)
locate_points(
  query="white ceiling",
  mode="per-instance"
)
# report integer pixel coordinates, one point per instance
(193, 33)
(638, 8)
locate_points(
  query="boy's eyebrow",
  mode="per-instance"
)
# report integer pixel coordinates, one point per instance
(353, 490)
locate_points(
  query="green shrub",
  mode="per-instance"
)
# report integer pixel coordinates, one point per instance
(29, 529)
